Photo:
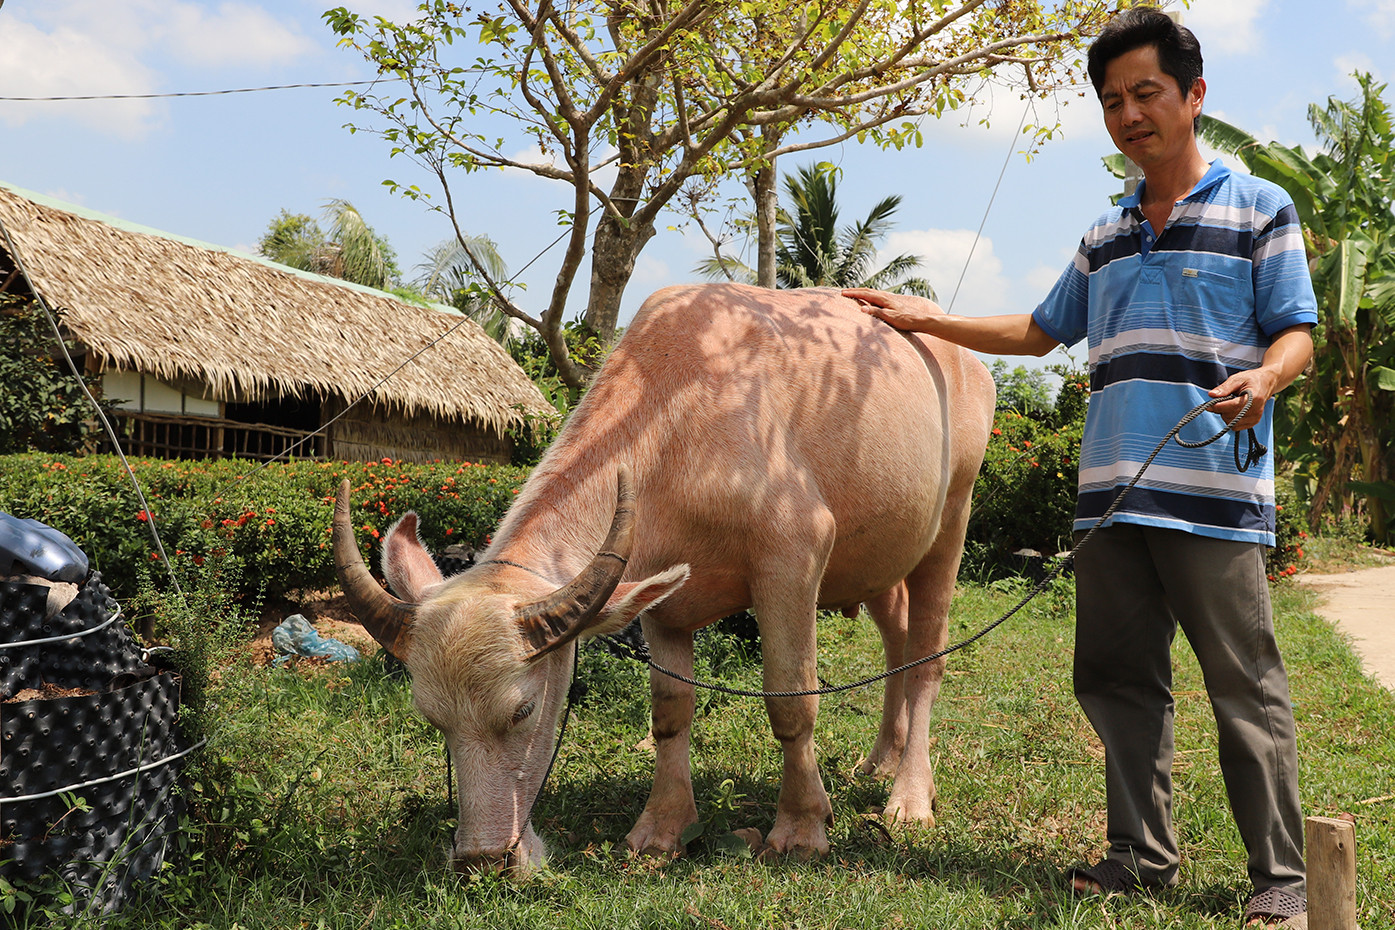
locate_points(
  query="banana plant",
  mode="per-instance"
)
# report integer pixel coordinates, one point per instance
(1336, 426)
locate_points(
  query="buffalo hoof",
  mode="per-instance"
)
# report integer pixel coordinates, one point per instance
(655, 842)
(761, 851)
(799, 842)
(879, 768)
(913, 810)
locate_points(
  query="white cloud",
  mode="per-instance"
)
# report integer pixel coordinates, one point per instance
(1226, 26)
(995, 111)
(1043, 278)
(233, 34)
(81, 47)
(650, 273)
(1351, 63)
(397, 11)
(70, 62)
(944, 253)
(1379, 13)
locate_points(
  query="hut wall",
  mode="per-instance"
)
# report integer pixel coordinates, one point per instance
(367, 433)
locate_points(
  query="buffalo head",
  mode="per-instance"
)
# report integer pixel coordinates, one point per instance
(490, 654)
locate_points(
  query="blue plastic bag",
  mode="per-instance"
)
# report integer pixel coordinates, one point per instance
(296, 637)
(32, 548)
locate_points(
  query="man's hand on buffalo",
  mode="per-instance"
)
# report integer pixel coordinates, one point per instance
(903, 311)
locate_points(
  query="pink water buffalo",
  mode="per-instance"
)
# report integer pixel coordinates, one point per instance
(778, 450)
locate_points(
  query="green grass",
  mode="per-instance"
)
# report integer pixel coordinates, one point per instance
(323, 799)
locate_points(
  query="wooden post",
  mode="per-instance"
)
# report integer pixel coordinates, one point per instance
(1331, 873)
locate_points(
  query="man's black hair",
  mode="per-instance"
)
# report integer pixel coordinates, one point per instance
(1179, 53)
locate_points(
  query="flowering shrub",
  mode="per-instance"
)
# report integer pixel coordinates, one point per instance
(1025, 494)
(1291, 530)
(270, 526)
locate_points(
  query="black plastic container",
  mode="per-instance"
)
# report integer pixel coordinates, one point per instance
(107, 747)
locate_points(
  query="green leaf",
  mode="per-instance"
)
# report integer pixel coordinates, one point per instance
(1116, 164)
(1383, 378)
(1384, 490)
(1225, 138)
(1351, 277)
(729, 844)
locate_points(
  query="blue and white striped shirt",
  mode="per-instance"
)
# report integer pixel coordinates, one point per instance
(1168, 318)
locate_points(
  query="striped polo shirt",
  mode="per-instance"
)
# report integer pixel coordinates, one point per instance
(1168, 317)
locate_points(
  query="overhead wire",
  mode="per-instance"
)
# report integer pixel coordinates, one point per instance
(195, 93)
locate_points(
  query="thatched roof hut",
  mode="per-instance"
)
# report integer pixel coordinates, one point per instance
(232, 332)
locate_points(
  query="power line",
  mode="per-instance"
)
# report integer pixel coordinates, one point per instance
(197, 93)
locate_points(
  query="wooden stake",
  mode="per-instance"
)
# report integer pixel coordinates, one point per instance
(1331, 874)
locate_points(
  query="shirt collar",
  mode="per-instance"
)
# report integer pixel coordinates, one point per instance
(1213, 176)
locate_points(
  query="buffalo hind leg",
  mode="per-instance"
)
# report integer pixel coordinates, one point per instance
(888, 611)
(670, 808)
(929, 589)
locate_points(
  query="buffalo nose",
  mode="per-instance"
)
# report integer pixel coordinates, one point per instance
(470, 861)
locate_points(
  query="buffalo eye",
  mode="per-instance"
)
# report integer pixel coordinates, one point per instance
(523, 713)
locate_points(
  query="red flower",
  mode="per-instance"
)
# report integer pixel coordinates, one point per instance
(143, 517)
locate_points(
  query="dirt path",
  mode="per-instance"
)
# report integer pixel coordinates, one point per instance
(1361, 604)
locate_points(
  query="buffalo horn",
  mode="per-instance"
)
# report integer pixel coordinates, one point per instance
(387, 618)
(565, 614)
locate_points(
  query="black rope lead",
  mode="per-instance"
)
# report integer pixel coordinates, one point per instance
(1255, 452)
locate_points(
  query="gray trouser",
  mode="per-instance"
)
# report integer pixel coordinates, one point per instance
(1134, 586)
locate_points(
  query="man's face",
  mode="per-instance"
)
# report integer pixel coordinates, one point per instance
(1147, 115)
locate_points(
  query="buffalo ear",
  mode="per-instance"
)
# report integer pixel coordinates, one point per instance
(634, 598)
(407, 565)
(627, 602)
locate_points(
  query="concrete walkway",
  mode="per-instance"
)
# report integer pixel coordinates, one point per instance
(1361, 604)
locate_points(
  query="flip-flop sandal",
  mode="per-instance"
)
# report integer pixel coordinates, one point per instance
(1277, 907)
(1111, 875)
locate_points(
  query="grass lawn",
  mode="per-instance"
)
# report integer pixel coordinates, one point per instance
(324, 798)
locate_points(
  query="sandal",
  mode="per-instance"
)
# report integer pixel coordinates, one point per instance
(1277, 907)
(1111, 875)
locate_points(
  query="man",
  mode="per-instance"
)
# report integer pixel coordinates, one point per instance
(1194, 287)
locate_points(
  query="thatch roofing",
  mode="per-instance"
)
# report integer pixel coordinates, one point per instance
(250, 329)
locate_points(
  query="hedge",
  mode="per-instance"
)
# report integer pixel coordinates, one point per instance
(267, 528)
(270, 524)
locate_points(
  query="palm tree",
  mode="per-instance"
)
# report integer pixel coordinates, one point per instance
(447, 274)
(813, 252)
(350, 250)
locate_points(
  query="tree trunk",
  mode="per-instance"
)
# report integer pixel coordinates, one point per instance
(767, 204)
(615, 247)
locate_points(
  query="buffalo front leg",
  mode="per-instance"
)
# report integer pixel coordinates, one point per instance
(785, 611)
(670, 809)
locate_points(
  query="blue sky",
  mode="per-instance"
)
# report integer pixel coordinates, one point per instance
(220, 168)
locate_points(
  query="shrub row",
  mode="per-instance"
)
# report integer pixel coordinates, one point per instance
(270, 525)
(267, 528)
